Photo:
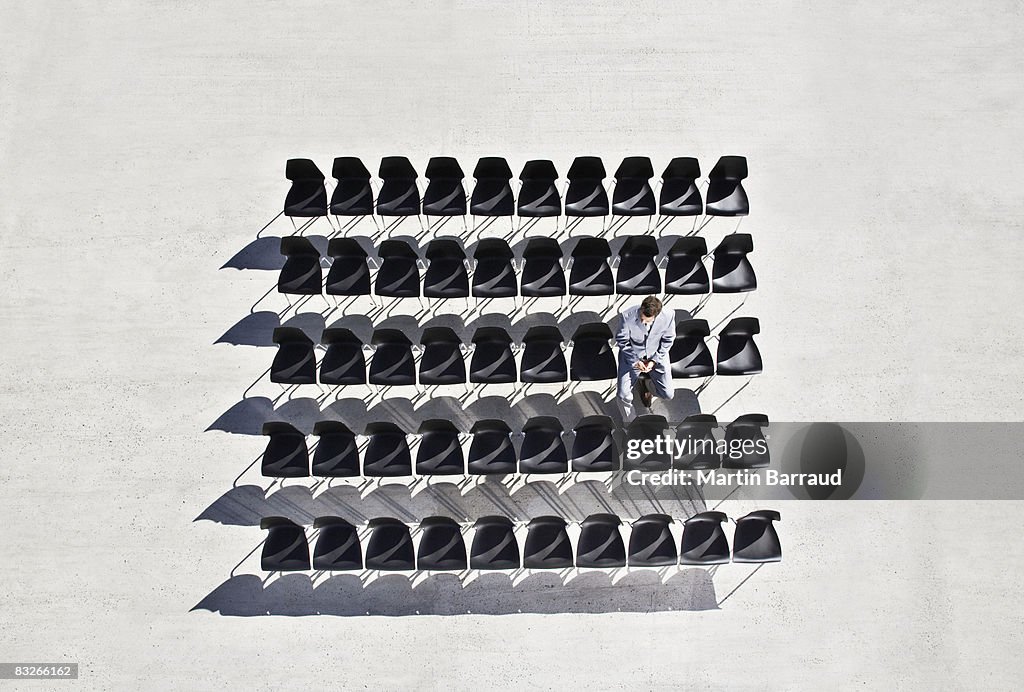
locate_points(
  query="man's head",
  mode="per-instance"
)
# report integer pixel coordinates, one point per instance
(649, 309)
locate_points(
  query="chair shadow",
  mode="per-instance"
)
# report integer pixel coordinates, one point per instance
(396, 595)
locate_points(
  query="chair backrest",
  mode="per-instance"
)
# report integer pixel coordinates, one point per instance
(387, 337)
(492, 167)
(350, 168)
(439, 335)
(592, 330)
(641, 245)
(688, 246)
(541, 170)
(729, 168)
(494, 544)
(542, 247)
(444, 168)
(396, 248)
(542, 333)
(586, 168)
(302, 169)
(591, 247)
(491, 334)
(396, 168)
(290, 335)
(491, 248)
(682, 167)
(345, 247)
(444, 248)
(298, 245)
(547, 544)
(755, 538)
(635, 167)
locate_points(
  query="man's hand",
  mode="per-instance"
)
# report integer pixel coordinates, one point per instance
(644, 365)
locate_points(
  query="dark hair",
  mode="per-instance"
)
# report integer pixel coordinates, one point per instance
(651, 307)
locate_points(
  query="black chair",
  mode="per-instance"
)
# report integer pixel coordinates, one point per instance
(349, 274)
(441, 361)
(392, 363)
(633, 195)
(543, 357)
(494, 276)
(493, 361)
(638, 269)
(440, 450)
(538, 194)
(547, 544)
(344, 361)
(491, 451)
(445, 195)
(285, 549)
(700, 447)
(593, 446)
(586, 195)
(286, 455)
(494, 544)
(650, 426)
(726, 196)
(441, 545)
(756, 539)
(387, 452)
(398, 195)
(389, 547)
(680, 195)
(353, 195)
(295, 361)
(690, 356)
(543, 449)
(651, 543)
(737, 352)
(590, 273)
(446, 275)
(399, 274)
(543, 274)
(732, 272)
(593, 359)
(301, 274)
(337, 453)
(600, 542)
(704, 541)
(307, 196)
(492, 193)
(685, 274)
(746, 442)
(337, 545)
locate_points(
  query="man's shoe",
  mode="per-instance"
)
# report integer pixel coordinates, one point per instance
(646, 396)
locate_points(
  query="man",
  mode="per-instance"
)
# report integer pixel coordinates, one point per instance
(644, 340)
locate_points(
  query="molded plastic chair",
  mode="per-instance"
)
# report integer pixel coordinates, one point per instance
(547, 544)
(651, 543)
(337, 545)
(737, 352)
(732, 270)
(392, 363)
(286, 455)
(690, 356)
(593, 447)
(387, 453)
(543, 274)
(441, 545)
(491, 451)
(633, 195)
(399, 274)
(337, 453)
(646, 427)
(344, 362)
(543, 357)
(389, 547)
(685, 273)
(638, 269)
(301, 274)
(399, 195)
(756, 539)
(586, 195)
(494, 276)
(295, 361)
(543, 449)
(493, 361)
(492, 194)
(446, 275)
(600, 542)
(307, 196)
(591, 273)
(445, 195)
(746, 436)
(494, 544)
(442, 361)
(704, 541)
(538, 195)
(285, 549)
(697, 433)
(440, 450)
(680, 195)
(349, 274)
(593, 358)
(726, 196)
(353, 195)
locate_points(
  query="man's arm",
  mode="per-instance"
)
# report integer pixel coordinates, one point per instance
(623, 340)
(665, 341)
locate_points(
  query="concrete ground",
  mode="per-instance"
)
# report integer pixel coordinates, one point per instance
(143, 148)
